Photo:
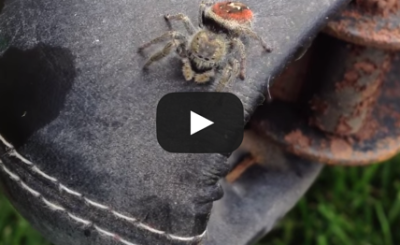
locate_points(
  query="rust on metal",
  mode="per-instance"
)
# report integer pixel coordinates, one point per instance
(371, 23)
(240, 169)
(340, 148)
(352, 92)
(287, 86)
(254, 146)
(349, 92)
(296, 137)
(259, 150)
(382, 7)
(377, 140)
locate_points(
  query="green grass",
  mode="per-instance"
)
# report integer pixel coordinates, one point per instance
(346, 206)
(14, 230)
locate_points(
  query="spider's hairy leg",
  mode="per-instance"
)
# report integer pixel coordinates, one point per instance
(168, 48)
(230, 71)
(163, 37)
(257, 37)
(203, 5)
(185, 19)
(235, 67)
(207, 3)
(204, 77)
(187, 70)
(201, 13)
(238, 44)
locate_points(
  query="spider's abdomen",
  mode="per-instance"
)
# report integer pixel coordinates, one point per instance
(234, 11)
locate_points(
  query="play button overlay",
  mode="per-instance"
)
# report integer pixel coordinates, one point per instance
(200, 122)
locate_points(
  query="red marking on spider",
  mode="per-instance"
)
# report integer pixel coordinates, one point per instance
(233, 11)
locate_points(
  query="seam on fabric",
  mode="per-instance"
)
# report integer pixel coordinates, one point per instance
(56, 207)
(12, 152)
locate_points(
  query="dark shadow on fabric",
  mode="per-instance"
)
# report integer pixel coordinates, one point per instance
(1, 5)
(33, 87)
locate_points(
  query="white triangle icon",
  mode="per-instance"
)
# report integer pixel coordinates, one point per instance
(198, 123)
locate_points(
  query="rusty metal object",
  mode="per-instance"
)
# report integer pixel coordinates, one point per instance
(259, 150)
(357, 118)
(383, 7)
(333, 106)
(349, 88)
(376, 23)
(242, 167)
(378, 139)
(288, 85)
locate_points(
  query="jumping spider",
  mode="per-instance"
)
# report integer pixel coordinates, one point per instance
(213, 47)
(233, 18)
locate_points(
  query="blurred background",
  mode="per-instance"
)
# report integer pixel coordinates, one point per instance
(346, 205)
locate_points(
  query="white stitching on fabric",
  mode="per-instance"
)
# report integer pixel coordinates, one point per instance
(37, 170)
(52, 205)
(151, 229)
(113, 236)
(63, 188)
(107, 233)
(124, 216)
(6, 143)
(11, 174)
(80, 220)
(186, 239)
(32, 191)
(126, 242)
(14, 153)
(56, 207)
(98, 205)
